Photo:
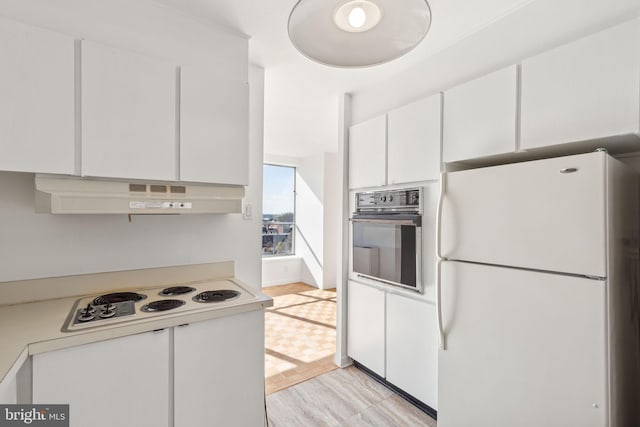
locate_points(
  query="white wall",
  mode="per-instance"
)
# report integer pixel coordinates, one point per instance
(332, 194)
(309, 217)
(282, 270)
(41, 245)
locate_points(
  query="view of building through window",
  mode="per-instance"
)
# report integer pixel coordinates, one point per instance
(278, 217)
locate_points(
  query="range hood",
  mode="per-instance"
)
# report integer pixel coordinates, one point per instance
(72, 195)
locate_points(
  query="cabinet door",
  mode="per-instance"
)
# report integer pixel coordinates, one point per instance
(414, 141)
(123, 381)
(214, 128)
(36, 100)
(480, 116)
(412, 348)
(584, 90)
(128, 114)
(365, 326)
(219, 372)
(368, 153)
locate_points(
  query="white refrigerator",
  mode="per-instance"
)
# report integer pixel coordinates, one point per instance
(538, 295)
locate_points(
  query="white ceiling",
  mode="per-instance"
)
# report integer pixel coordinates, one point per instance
(301, 97)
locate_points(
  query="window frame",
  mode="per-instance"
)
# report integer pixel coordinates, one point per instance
(293, 229)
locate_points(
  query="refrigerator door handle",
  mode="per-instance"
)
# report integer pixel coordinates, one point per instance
(443, 187)
(443, 345)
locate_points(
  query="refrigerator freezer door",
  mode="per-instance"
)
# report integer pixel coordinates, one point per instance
(545, 215)
(524, 349)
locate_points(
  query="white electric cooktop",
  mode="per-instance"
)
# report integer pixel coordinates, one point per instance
(138, 304)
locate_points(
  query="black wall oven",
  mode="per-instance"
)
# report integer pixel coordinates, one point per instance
(386, 236)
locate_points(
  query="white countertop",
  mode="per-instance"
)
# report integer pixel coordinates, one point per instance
(35, 327)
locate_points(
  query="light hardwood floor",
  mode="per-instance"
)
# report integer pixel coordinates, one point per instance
(300, 334)
(343, 397)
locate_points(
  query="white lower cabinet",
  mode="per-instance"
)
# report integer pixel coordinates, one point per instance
(118, 382)
(365, 326)
(396, 337)
(219, 372)
(412, 348)
(208, 373)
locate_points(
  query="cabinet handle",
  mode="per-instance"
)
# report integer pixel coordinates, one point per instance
(443, 188)
(183, 325)
(568, 170)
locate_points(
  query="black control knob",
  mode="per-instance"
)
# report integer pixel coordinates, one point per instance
(390, 198)
(88, 310)
(383, 199)
(86, 314)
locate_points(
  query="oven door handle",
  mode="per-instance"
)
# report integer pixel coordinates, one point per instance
(415, 220)
(443, 189)
(387, 221)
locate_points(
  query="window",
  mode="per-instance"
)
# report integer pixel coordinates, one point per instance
(278, 218)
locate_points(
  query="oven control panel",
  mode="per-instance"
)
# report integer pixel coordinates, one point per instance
(404, 200)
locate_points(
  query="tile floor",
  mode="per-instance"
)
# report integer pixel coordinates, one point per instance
(300, 334)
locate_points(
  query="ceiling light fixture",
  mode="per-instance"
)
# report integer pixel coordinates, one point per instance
(357, 16)
(358, 33)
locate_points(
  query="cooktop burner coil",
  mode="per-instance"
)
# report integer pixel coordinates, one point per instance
(176, 290)
(162, 305)
(118, 297)
(216, 296)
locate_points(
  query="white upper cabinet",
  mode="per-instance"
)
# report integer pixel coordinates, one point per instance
(36, 100)
(368, 153)
(214, 128)
(414, 133)
(128, 114)
(480, 116)
(584, 90)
